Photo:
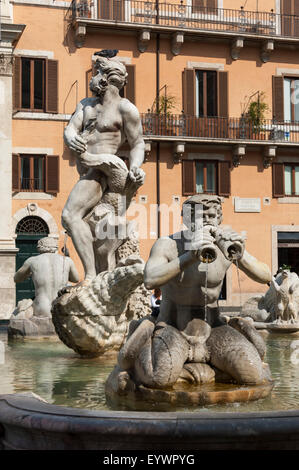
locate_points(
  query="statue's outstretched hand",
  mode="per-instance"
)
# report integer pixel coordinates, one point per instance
(137, 175)
(231, 243)
(228, 235)
(76, 143)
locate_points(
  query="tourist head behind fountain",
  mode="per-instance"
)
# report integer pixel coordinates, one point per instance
(47, 245)
(109, 72)
(203, 207)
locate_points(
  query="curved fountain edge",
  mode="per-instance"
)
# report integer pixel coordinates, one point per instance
(29, 423)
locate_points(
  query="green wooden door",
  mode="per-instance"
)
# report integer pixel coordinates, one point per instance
(27, 245)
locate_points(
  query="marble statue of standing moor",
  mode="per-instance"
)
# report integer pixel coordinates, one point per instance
(95, 132)
(189, 341)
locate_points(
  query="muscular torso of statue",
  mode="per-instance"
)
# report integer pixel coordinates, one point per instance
(108, 133)
(57, 268)
(50, 272)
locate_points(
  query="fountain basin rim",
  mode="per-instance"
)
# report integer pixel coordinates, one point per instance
(32, 402)
(27, 422)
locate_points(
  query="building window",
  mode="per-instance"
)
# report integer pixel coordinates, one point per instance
(32, 225)
(35, 173)
(206, 177)
(204, 6)
(291, 102)
(285, 179)
(35, 85)
(209, 176)
(291, 180)
(32, 173)
(206, 93)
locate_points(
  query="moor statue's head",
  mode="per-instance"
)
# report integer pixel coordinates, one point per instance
(47, 245)
(209, 207)
(109, 72)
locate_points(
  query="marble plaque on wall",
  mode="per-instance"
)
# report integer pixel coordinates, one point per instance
(247, 204)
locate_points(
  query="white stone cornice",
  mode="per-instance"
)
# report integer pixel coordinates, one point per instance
(34, 53)
(11, 32)
(43, 3)
(205, 65)
(41, 116)
(33, 150)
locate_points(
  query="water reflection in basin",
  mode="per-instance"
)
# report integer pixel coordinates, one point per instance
(58, 375)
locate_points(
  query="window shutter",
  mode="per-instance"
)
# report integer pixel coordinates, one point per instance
(88, 75)
(118, 10)
(105, 9)
(52, 86)
(189, 92)
(17, 89)
(224, 179)
(223, 94)
(201, 5)
(286, 9)
(278, 179)
(286, 6)
(188, 169)
(278, 99)
(197, 5)
(129, 90)
(52, 174)
(296, 19)
(16, 173)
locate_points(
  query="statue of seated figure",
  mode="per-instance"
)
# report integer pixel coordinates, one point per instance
(189, 341)
(50, 272)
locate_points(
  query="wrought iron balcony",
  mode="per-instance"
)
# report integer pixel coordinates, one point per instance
(219, 129)
(186, 17)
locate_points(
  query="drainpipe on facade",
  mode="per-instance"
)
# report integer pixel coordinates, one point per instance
(157, 110)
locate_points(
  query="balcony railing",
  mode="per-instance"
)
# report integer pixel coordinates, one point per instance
(183, 16)
(218, 128)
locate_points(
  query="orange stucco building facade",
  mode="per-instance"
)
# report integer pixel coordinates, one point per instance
(213, 63)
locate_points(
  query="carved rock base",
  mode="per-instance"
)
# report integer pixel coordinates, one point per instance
(94, 319)
(141, 398)
(24, 324)
(33, 327)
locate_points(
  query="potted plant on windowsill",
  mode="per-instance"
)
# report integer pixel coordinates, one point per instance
(254, 117)
(164, 108)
